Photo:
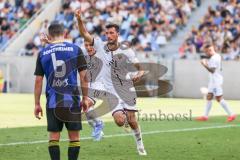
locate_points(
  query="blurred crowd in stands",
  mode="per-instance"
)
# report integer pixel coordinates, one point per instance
(13, 16)
(147, 24)
(220, 26)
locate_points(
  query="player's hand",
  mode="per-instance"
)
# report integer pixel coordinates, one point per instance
(44, 38)
(38, 111)
(204, 62)
(137, 77)
(85, 104)
(78, 13)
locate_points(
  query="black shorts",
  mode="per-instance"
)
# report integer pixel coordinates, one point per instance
(56, 125)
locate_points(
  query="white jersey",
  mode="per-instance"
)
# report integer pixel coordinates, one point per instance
(94, 71)
(216, 78)
(115, 68)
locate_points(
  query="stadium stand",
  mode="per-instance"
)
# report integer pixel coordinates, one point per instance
(14, 15)
(220, 26)
(147, 24)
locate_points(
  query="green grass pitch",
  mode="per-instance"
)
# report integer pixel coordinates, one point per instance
(24, 138)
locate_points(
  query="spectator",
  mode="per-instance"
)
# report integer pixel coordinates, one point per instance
(149, 24)
(3, 38)
(18, 4)
(220, 26)
(13, 16)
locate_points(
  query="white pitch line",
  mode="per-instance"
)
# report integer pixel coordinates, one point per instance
(129, 134)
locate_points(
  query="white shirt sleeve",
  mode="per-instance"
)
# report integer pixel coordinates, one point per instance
(132, 56)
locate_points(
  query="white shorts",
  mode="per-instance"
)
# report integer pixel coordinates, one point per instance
(95, 86)
(122, 105)
(115, 103)
(216, 90)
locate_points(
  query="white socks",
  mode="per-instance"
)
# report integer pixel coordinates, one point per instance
(92, 117)
(222, 103)
(138, 137)
(208, 108)
(225, 107)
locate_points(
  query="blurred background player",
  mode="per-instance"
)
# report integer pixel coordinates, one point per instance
(214, 67)
(52, 59)
(95, 83)
(123, 113)
(94, 77)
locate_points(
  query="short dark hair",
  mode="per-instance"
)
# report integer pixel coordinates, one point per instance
(113, 25)
(207, 45)
(56, 29)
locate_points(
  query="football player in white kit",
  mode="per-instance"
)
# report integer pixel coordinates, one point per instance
(214, 67)
(95, 83)
(114, 56)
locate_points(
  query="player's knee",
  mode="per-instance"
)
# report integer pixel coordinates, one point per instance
(119, 118)
(73, 135)
(209, 97)
(119, 121)
(219, 98)
(54, 135)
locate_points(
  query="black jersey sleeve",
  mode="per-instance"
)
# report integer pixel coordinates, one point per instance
(39, 69)
(82, 64)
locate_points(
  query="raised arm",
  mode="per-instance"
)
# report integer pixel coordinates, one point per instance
(82, 29)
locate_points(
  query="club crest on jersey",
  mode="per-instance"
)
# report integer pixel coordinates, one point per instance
(106, 48)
